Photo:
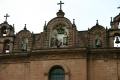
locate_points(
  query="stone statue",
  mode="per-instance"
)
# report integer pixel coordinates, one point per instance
(58, 43)
(24, 44)
(65, 40)
(53, 42)
(119, 25)
(98, 41)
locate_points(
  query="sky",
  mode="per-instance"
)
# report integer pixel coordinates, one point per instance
(34, 13)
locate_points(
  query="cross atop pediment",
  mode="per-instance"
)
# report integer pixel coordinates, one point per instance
(6, 16)
(60, 4)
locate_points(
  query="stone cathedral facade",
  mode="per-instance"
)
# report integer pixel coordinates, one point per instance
(60, 52)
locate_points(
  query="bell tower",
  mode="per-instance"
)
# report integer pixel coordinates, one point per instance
(6, 36)
(114, 31)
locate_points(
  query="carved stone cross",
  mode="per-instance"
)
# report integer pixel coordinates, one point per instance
(60, 4)
(6, 16)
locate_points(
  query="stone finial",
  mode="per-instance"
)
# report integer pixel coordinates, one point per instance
(111, 19)
(97, 22)
(60, 13)
(25, 27)
(13, 26)
(45, 26)
(73, 21)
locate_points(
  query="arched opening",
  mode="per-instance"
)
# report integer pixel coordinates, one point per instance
(6, 48)
(56, 73)
(116, 40)
(4, 31)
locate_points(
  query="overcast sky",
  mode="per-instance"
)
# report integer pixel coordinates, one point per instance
(34, 13)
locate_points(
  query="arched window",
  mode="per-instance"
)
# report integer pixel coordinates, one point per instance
(57, 73)
(6, 48)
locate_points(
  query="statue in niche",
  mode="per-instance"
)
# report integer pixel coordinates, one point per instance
(65, 40)
(58, 43)
(55, 42)
(7, 47)
(59, 36)
(119, 25)
(24, 44)
(98, 41)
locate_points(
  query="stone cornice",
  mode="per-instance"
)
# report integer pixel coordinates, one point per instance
(58, 50)
(63, 53)
(55, 54)
(104, 50)
(47, 54)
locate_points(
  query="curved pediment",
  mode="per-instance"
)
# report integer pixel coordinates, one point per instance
(6, 29)
(97, 27)
(117, 18)
(59, 20)
(25, 32)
